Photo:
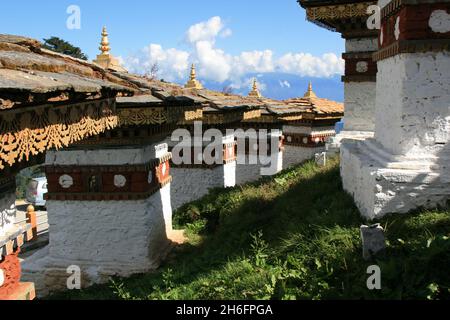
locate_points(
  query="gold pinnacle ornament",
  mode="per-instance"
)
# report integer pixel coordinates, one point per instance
(193, 83)
(255, 92)
(105, 58)
(310, 93)
(104, 44)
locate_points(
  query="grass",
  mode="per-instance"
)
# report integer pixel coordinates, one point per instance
(295, 236)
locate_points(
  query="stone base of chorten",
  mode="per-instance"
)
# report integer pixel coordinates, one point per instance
(192, 183)
(102, 239)
(252, 167)
(294, 155)
(382, 183)
(334, 143)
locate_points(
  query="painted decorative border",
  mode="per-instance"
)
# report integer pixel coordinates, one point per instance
(396, 5)
(359, 66)
(412, 46)
(98, 183)
(305, 140)
(407, 27)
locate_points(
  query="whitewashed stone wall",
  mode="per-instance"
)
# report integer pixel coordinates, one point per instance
(379, 190)
(189, 184)
(406, 166)
(359, 100)
(102, 238)
(360, 106)
(257, 162)
(7, 212)
(249, 171)
(251, 168)
(294, 155)
(415, 120)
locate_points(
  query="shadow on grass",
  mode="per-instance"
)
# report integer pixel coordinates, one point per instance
(309, 243)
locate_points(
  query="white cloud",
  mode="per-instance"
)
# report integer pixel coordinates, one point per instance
(305, 64)
(254, 61)
(205, 31)
(173, 64)
(215, 64)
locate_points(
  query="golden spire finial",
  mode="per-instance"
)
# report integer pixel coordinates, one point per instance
(310, 93)
(193, 83)
(105, 59)
(104, 44)
(255, 92)
(255, 85)
(193, 73)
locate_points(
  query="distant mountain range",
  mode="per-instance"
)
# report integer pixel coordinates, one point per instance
(281, 86)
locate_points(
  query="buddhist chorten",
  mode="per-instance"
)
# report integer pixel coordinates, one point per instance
(310, 93)
(193, 83)
(255, 92)
(105, 59)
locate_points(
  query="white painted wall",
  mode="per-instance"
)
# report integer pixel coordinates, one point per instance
(251, 168)
(108, 231)
(406, 166)
(189, 184)
(103, 238)
(359, 102)
(378, 190)
(413, 112)
(294, 155)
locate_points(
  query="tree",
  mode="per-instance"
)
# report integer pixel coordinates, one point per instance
(227, 90)
(59, 45)
(153, 72)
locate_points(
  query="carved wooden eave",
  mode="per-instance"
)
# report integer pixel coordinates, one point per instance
(31, 131)
(346, 17)
(50, 101)
(212, 116)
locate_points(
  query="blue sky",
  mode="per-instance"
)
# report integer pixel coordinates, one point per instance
(274, 32)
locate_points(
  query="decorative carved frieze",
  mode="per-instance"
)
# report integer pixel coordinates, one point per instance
(141, 116)
(340, 11)
(130, 135)
(225, 117)
(107, 182)
(193, 115)
(33, 131)
(158, 116)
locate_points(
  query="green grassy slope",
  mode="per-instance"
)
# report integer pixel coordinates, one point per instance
(295, 236)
